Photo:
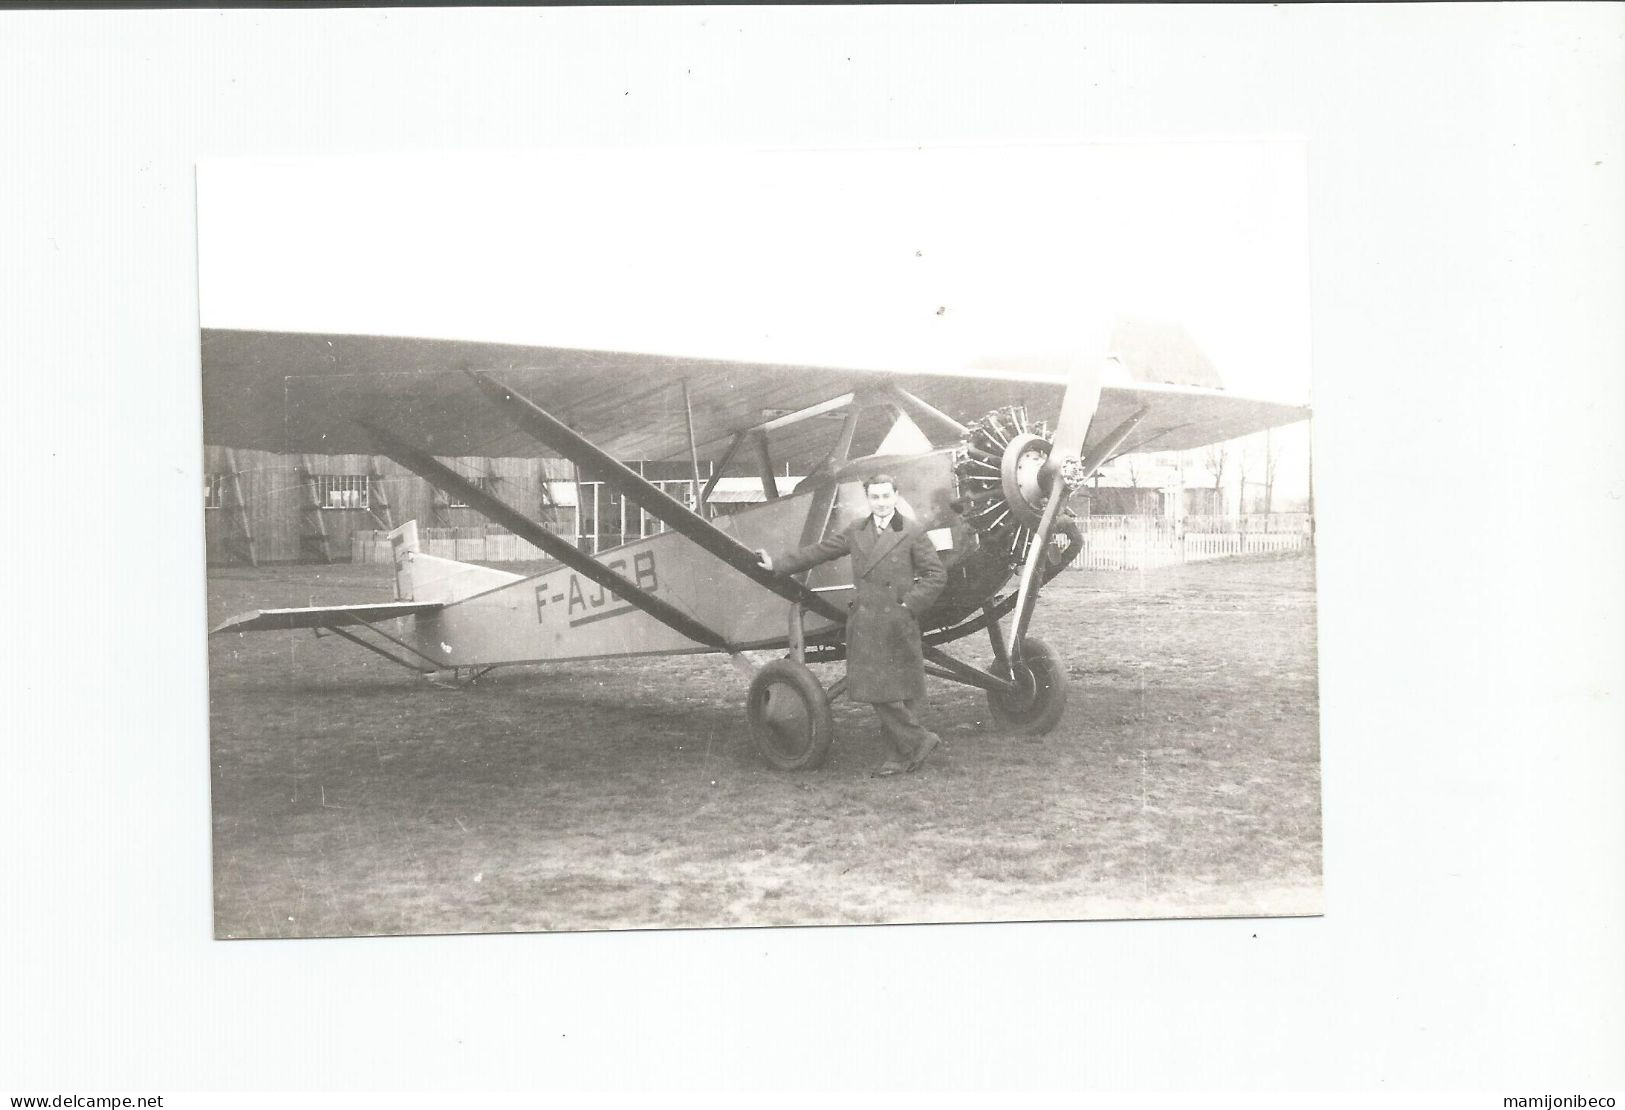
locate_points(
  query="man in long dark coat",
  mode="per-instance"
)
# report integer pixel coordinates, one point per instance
(898, 576)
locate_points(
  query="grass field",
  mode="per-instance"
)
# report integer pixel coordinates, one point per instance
(351, 797)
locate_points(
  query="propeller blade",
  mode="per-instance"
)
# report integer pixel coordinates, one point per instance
(1027, 592)
(1077, 412)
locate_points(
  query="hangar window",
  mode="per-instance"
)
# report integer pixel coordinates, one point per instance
(343, 491)
(678, 490)
(214, 491)
(602, 520)
(480, 482)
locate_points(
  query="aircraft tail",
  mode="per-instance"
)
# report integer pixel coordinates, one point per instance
(429, 578)
(403, 543)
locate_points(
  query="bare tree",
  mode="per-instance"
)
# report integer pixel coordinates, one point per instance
(1215, 459)
(1272, 459)
(1241, 479)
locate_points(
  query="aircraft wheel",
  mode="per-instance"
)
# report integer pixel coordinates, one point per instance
(1042, 711)
(789, 716)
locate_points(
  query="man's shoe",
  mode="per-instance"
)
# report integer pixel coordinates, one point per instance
(890, 767)
(932, 740)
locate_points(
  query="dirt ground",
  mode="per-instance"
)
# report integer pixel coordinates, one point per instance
(351, 797)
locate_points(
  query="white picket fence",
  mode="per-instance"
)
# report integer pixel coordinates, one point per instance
(1143, 542)
(467, 545)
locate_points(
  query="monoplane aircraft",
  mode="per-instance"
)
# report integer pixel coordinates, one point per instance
(978, 466)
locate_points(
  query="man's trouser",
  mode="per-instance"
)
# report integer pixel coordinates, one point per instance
(900, 727)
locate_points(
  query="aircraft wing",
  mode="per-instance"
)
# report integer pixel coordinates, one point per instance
(330, 616)
(301, 392)
(1178, 418)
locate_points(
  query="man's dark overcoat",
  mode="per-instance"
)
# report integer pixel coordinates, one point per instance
(898, 576)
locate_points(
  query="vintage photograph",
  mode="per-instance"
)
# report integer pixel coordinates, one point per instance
(627, 539)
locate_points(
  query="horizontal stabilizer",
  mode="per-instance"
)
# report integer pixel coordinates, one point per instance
(330, 616)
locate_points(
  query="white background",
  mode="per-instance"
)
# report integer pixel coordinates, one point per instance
(879, 258)
(1467, 276)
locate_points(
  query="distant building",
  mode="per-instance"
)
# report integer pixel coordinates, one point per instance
(261, 507)
(1262, 473)
(1122, 501)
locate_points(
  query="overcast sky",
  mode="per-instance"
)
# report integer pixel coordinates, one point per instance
(909, 258)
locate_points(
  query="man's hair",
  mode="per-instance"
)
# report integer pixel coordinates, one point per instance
(879, 480)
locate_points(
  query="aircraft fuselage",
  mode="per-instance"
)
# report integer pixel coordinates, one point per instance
(559, 614)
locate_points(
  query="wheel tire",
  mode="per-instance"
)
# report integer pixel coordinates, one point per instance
(1049, 700)
(789, 715)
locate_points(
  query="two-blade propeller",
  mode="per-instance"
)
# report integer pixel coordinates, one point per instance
(1078, 407)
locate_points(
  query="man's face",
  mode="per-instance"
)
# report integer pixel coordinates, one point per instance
(882, 498)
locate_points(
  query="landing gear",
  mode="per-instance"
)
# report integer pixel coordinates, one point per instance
(789, 716)
(1035, 706)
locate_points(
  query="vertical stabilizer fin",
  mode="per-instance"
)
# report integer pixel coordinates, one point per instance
(403, 542)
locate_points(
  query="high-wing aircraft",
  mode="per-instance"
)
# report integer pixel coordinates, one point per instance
(978, 464)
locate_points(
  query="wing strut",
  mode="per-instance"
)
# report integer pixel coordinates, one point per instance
(923, 413)
(718, 471)
(764, 460)
(693, 449)
(439, 474)
(531, 418)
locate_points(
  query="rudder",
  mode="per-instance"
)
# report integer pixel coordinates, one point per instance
(429, 578)
(403, 543)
